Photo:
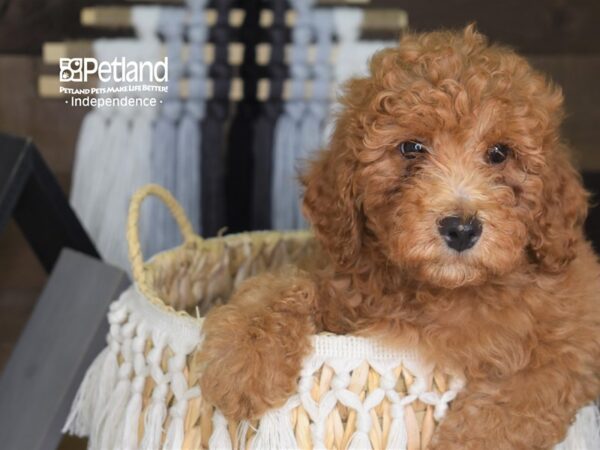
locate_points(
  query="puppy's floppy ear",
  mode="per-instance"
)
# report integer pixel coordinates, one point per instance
(330, 202)
(558, 223)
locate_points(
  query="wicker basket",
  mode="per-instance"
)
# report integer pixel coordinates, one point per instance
(141, 391)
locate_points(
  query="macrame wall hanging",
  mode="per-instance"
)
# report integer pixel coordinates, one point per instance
(128, 142)
(113, 149)
(215, 126)
(89, 157)
(239, 156)
(188, 162)
(305, 125)
(285, 192)
(164, 141)
(233, 164)
(271, 109)
(317, 108)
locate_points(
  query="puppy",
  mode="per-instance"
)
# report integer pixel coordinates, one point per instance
(452, 218)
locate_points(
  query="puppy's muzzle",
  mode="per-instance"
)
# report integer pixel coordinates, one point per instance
(460, 233)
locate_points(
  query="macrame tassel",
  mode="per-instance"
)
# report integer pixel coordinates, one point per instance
(397, 437)
(107, 380)
(153, 426)
(284, 191)
(89, 155)
(82, 409)
(109, 425)
(131, 424)
(359, 441)
(116, 140)
(88, 151)
(164, 149)
(242, 433)
(175, 434)
(311, 130)
(313, 123)
(155, 417)
(114, 412)
(275, 431)
(109, 372)
(163, 173)
(187, 180)
(189, 139)
(134, 408)
(213, 167)
(584, 433)
(219, 439)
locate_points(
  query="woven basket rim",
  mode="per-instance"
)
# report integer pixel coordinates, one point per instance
(326, 346)
(207, 245)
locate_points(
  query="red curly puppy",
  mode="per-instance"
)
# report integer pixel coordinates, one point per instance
(453, 220)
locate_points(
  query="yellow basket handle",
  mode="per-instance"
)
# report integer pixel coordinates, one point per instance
(133, 233)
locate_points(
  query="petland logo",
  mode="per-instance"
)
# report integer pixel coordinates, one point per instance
(118, 70)
(118, 83)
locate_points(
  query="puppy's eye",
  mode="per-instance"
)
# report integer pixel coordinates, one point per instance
(410, 149)
(498, 153)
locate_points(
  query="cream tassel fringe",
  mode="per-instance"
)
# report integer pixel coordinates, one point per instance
(359, 441)
(113, 415)
(132, 417)
(242, 432)
(397, 438)
(82, 411)
(175, 433)
(275, 431)
(156, 415)
(106, 385)
(134, 408)
(153, 425)
(219, 439)
(584, 434)
(111, 419)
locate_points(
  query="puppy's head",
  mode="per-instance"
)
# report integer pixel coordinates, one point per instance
(446, 164)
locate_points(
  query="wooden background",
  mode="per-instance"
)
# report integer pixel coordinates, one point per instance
(560, 37)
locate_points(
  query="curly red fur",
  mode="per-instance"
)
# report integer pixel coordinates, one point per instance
(518, 313)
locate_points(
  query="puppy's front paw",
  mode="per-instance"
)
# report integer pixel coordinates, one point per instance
(253, 351)
(238, 382)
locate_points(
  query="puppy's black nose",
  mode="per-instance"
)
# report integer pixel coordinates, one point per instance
(460, 233)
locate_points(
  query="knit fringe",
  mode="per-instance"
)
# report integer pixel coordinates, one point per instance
(153, 426)
(113, 416)
(397, 437)
(106, 384)
(242, 432)
(175, 434)
(275, 432)
(82, 411)
(359, 441)
(584, 434)
(131, 423)
(92, 131)
(219, 439)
